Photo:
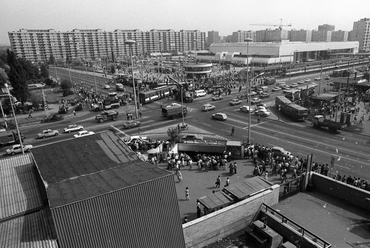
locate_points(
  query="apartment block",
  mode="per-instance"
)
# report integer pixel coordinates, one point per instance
(361, 33)
(241, 36)
(326, 27)
(91, 44)
(300, 35)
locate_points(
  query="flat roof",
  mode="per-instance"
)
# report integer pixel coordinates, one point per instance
(247, 188)
(82, 168)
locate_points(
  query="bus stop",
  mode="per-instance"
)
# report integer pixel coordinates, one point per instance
(214, 202)
(247, 188)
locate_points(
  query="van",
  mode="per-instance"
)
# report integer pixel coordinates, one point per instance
(280, 84)
(199, 93)
(265, 88)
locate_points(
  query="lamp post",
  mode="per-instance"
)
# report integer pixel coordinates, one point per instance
(249, 93)
(291, 62)
(130, 43)
(15, 118)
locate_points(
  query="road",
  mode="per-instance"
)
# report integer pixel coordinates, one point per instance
(351, 150)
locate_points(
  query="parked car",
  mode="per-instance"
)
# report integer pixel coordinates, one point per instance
(264, 95)
(47, 133)
(276, 89)
(131, 124)
(73, 128)
(255, 100)
(219, 116)
(300, 82)
(200, 93)
(217, 98)
(107, 86)
(235, 101)
(307, 80)
(83, 134)
(244, 108)
(18, 149)
(208, 107)
(318, 79)
(253, 93)
(293, 85)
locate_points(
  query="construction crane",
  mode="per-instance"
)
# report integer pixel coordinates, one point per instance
(274, 25)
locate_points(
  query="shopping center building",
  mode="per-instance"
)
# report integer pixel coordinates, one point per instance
(275, 53)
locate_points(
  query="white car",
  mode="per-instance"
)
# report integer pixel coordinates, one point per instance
(263, 112)
(73, 128)
(18, 149)
(300, 82)
(200, 93)
(106, 87)
(83, 133)
(307, 80)
(255, 100)
(219, 116)
(244, 108)
(208, 107)
(318, 79)
(293, 85)
(174, 104)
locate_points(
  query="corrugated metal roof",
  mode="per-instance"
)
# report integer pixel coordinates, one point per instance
(32, 230)
(91, 166)
(145, 215)
(18, 188)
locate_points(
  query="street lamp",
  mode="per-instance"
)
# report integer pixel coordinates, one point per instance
(249, 92)
(130, 43)
(290, 74)
(15, 118)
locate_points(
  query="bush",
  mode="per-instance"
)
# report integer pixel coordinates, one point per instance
(67, 92)
(78, 107)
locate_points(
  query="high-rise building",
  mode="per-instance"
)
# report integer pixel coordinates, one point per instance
(92, 44)
(326, 27)
(321, 36)
(361, 33)
(271, 35)
(339, 35)
(300, 35)
(241, 36)
(213, 37)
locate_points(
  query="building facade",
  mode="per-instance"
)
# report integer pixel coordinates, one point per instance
(92, 44)
(361, 33)
(300, 35)
(213, 37)
(272, 35)
(326, 27)
(241, 36)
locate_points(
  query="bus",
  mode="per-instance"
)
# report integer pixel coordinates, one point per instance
(155, 94)
(294, 111)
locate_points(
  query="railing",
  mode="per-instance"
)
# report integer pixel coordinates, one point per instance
(295, 227)
(290, 188)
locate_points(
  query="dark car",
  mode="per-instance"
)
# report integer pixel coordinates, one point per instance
(131, 124)
(264, 95)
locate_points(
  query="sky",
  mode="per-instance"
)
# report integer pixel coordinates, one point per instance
(205, 15)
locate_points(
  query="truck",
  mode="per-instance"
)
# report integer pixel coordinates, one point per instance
(105, 105)
(320, 121)
(10, 138)
(107, 115)
(173, 111)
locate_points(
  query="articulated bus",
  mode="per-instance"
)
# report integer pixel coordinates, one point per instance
(294, 111)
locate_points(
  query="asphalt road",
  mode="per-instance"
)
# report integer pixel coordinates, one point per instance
(351, 150)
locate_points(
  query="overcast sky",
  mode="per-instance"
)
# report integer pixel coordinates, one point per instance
(224, 16)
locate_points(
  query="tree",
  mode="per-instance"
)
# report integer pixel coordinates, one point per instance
(44, 72)
(112, 69)
(51, 60)
(173, 134)
(4, 79)
(66, 86)
(18, 76)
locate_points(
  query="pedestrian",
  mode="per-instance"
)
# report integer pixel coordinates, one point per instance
(187, 193)
(231, 169)
(199, 210)
(128, 116)
(140, 114)
(74, 112)
(232, 131)
(218, 181)
(179, 176)
(258, 119)
(266, 175)
(235, 166)
(185, 220)
(227, 182)
(29, 114)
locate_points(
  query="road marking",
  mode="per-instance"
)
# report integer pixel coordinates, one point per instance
(206, 124)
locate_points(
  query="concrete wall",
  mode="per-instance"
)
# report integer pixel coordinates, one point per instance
(220, 224)
(343, 191)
